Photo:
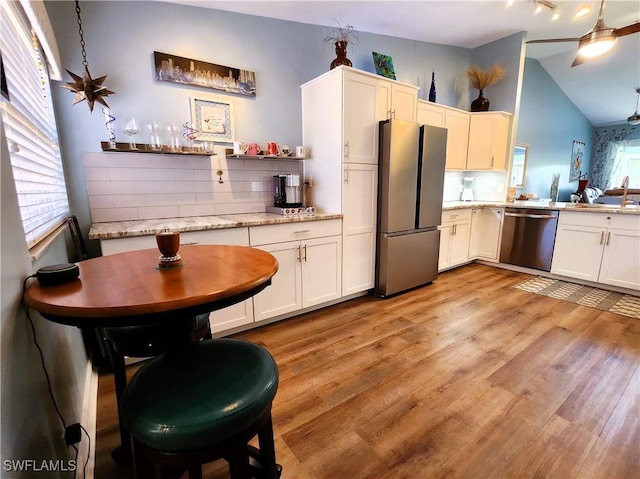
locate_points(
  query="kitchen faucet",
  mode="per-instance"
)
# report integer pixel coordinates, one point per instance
(625, 189)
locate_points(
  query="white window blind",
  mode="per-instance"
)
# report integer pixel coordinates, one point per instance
(30, 127)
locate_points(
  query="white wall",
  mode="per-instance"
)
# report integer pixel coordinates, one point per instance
(30, 427)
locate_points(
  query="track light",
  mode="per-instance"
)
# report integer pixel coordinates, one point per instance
(635, 118)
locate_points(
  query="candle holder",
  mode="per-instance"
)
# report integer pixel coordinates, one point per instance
(169, 244)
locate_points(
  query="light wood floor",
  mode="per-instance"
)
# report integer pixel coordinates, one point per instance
(464, 378)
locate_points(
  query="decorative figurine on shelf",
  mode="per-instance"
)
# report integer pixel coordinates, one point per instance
(109, 120)
(481, 79)
(189, 133)
(432, 90)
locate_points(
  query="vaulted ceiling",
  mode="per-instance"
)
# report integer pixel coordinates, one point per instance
(603, 88)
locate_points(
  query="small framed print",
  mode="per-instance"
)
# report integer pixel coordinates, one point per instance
(213, 120)
(575, 171)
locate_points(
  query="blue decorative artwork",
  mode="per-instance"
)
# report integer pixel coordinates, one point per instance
(384, 65)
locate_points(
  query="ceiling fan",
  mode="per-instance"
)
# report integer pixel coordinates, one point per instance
(597, 41)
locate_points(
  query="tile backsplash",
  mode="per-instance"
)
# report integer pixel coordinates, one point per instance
(487, 185)
(136, 186)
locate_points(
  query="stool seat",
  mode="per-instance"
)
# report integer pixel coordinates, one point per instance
(199, 396)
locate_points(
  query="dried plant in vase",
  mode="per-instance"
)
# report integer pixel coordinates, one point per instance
(341, 36)
(481, 79)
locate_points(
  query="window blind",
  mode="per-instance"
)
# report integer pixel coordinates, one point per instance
(30, 127)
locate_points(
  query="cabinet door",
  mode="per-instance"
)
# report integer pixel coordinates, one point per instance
(361, 112)
(459, 247)
(621, 259)
(480, 150)
(321, 272)
(457, 124)
(403, 102)
(446, 231)
(359, 227)
(499, 142)
(285, 292)
(578, 251)
(486, 225)
(431, 114)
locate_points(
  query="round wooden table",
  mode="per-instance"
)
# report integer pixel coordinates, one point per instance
(128, 289)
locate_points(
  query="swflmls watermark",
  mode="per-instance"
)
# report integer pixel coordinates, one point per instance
(35, 465)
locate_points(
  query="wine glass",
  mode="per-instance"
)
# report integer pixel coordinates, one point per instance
(132, 128)
(174, 137)
(154, 135)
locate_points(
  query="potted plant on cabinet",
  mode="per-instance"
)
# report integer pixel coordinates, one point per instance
(481, 79)
(341, 36)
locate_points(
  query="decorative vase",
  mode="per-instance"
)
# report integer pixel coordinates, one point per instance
(480, 104)
(432, 90)
(341, 55)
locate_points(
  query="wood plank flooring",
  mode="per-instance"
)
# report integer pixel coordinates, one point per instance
(464, 378)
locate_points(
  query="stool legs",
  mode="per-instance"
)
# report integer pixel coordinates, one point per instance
(267, 450)
(122, 454)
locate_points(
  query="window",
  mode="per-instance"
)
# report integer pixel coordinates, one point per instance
(627, 163)
(30, 127)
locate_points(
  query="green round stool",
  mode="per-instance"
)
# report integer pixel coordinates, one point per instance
(201, 403)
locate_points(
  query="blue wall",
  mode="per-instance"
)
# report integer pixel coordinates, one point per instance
(122, 36)
(549, 123)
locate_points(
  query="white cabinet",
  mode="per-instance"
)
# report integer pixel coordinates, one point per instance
(598, 247)
(454, 238)
(486, 228)
(224, 319)
(309, 257)
(457, 124)
(341, 111)
(401, 99)
(360, 185)
(488, 138)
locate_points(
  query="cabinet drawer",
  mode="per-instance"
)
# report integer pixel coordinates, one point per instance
(456, 215)
(600, 220)
(259, 235)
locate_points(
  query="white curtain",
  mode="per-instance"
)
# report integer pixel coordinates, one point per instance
(609, 149)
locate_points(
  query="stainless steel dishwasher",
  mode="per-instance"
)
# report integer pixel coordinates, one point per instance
(528, 236)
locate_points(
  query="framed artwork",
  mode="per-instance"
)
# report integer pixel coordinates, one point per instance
(384, 65)
(172, 68)
(213, 120)
(577, 152)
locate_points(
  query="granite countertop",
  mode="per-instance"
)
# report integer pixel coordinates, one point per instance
(128, 229)
(547, 205)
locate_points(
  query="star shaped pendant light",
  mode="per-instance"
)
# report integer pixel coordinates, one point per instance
(87, 88)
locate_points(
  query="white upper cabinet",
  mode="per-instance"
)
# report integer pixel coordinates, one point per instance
(488, 137)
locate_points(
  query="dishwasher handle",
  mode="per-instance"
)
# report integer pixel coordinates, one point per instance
(537, 217)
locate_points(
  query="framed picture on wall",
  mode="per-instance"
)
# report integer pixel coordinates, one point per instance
(172, 68)
(213, 120)
(577, 153)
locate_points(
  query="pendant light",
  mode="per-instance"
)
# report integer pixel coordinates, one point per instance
(635, 118)
(85, 87)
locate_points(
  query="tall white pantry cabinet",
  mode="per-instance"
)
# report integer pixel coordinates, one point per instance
(341, 110)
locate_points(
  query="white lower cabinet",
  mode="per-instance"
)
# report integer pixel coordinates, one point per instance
(309, 268)
(233, 316)
(486, 228)
(454, 238)
(598, 247)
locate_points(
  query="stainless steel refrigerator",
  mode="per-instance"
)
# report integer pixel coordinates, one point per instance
(411, 165)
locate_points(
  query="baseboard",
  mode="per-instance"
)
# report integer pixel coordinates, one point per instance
(87, 447)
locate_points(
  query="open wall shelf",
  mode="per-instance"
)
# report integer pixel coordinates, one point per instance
(144, 148)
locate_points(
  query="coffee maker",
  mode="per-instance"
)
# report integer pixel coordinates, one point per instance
(286, 191)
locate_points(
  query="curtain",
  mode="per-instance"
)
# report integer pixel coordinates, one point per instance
(609, 145)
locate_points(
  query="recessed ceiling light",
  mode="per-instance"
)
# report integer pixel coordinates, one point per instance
(583, 11)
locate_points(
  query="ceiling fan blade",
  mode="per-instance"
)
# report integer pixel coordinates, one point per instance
(554, 40)
(579, 60)
(628, 30)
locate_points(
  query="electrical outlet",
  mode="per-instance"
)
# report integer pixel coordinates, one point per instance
(73, 434)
